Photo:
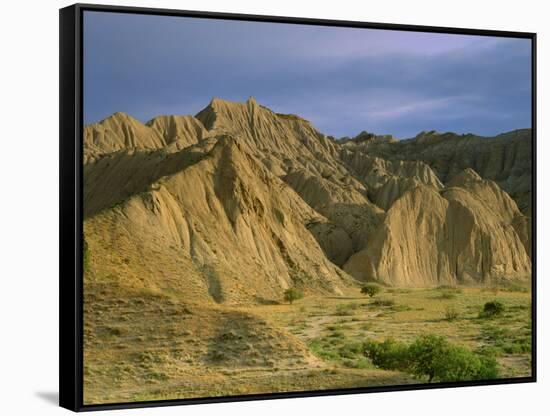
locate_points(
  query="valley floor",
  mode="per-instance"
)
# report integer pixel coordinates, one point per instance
(149, 346)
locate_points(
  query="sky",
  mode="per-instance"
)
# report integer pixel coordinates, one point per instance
(344, 80)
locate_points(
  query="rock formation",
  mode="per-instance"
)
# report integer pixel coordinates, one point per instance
(238, 203)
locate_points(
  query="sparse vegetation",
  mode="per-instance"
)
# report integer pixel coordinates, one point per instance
(505, 341)
(370, 289)
(451, 313)
(383, 302)
(514, 287)
(346, 309)
(293, 294)
(340, 350)
(447, 295)
(333, 328)
(448, 292)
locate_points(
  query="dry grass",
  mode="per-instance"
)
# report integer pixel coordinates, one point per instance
(142, 344)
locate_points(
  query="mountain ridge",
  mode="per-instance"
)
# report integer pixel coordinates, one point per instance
(344, 202)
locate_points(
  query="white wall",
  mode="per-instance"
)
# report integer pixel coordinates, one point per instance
(29, 195)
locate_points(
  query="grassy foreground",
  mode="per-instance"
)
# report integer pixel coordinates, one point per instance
(142, 345)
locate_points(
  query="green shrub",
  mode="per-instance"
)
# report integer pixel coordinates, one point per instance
(433, 357)
(388, 355)
(371, 289)
(491, 309)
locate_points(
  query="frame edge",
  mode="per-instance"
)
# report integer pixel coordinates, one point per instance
(70, 347)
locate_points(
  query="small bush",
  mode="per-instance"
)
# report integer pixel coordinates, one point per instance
(370, 289)
(293, 294)
(433, 356)
(492, 309)
(451, 313)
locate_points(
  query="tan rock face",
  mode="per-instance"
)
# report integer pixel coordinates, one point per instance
(230, 220)
(505, 159)
(239, 202)
(454, 236)
(393, 189)
(179, 132)
(334, 240)
(119, 132)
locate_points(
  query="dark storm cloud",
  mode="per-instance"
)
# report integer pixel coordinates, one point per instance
(343, 80)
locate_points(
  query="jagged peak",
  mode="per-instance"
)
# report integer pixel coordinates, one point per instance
(120, 118)
(216, 101)
(208, 115)
(217, 104)
(220, 109)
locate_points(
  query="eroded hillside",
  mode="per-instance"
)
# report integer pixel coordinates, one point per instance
(238, 203)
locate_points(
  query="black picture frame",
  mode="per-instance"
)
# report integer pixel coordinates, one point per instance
(71, 213)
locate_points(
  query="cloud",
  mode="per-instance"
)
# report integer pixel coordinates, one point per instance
(344, 80)
(417, 107)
